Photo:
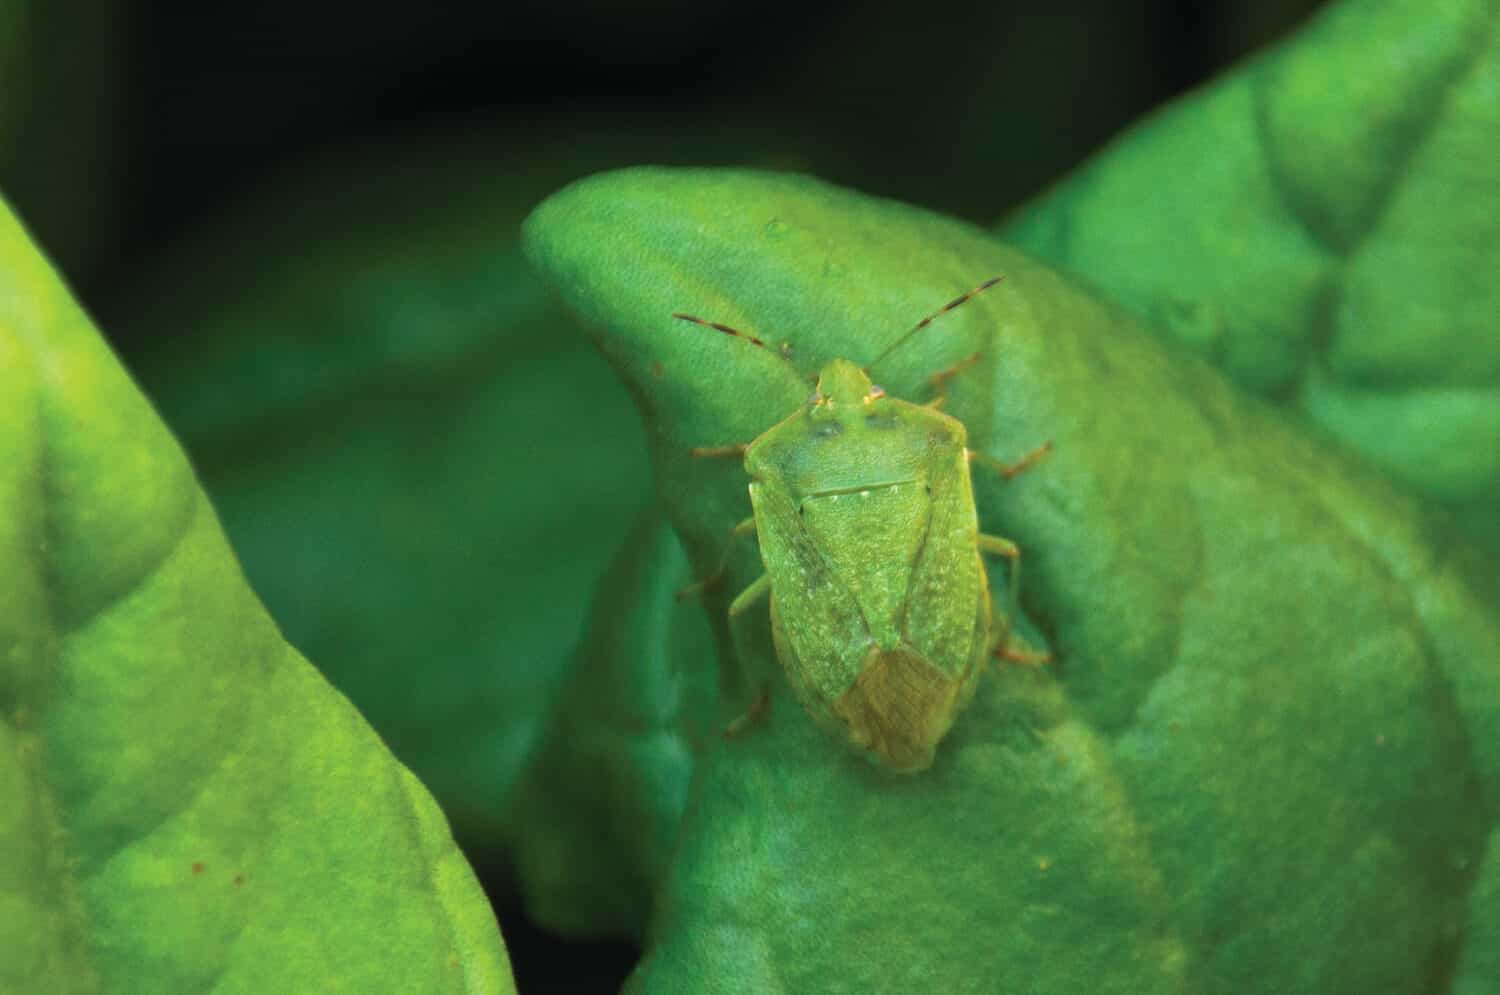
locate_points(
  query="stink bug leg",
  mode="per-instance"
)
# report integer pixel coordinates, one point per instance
(747, 527)
(1009, 649)
(750, 595)
(758, 707)
(939, 380)
(737, 450)
(1020, 466)
(995, 545)
(1003, 650)
(1026, 658)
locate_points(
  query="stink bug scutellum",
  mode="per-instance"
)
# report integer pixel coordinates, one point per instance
(864, 511)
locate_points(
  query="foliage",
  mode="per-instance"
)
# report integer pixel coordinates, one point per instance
(1259, 330)
(187, 804)
(1321, 226)
(1274, 717)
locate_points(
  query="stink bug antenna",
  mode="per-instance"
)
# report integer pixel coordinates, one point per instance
(721, 328)
(929, 320)
(782, 352)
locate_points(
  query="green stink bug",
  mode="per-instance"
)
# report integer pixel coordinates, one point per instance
(880, 605)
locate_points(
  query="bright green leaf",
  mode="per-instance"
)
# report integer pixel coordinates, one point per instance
(186, 805)
(1268, 755)
(1324, 225)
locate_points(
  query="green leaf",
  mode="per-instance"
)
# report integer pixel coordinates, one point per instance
(1324, 225)
(1268, 755)
(1479, 968)
(186, 804)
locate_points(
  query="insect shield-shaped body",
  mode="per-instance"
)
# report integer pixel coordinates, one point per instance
(880, 604)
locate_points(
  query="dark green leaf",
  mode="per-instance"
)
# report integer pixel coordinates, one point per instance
(600, 807)
(1479, 968)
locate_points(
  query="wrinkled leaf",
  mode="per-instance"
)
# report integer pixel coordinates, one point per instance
(1269, 752)
(1324, 225)
(186, 805)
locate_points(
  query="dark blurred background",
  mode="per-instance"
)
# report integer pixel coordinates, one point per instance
(140, 140)
(144, 117)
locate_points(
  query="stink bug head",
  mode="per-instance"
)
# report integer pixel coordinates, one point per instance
(843, 383)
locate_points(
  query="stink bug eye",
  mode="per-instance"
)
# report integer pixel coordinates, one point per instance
(880, 604)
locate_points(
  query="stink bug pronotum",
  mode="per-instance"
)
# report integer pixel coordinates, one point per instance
(864, 511)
